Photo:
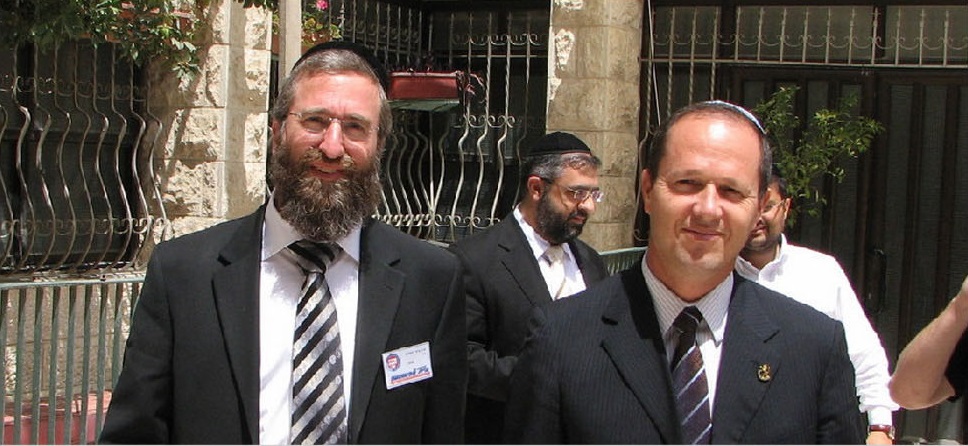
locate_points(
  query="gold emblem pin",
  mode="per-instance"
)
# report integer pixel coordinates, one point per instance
(764, 373)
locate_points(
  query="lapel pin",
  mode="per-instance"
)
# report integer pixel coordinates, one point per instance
(764, 373)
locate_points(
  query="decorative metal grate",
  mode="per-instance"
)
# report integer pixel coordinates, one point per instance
(75, 162)
(449, 171)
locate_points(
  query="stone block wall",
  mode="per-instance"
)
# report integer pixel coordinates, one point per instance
(210, 157)
(593, 92)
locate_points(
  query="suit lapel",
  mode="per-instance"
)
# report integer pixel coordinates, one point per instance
(236, 291)
(633, 342)
(518, 260)
(740, 390)
(380, 287)
(589, 273)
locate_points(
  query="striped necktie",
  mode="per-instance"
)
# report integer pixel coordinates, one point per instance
(318, 405)
(689, 380)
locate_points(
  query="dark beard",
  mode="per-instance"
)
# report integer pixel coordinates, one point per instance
(553, 226)
(318, 210)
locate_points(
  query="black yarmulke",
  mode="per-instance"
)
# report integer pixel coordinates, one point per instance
(359, 50)
(557, 143)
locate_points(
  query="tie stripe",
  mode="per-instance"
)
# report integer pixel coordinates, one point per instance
(689, 380)
(319, 407)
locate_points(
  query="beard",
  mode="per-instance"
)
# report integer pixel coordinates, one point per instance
(554, 225)
(319, 210)
(762, 242)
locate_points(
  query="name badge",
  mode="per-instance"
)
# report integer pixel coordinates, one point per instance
(407, 365)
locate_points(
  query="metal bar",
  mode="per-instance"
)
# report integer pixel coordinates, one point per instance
(36, 366)
(55, 322)
(71, 348)
(18, 389)
(89, 326)
(4, 324)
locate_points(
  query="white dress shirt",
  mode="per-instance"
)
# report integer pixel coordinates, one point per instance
(817, 280)
(714, 307)
(574, 281)
(279, 291)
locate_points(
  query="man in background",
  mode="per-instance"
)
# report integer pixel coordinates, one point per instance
(533, 256)
(817, 280)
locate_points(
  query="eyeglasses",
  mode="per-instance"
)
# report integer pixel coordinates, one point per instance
(580, 195)
(770, 207)
(353, 129)
(597, 195)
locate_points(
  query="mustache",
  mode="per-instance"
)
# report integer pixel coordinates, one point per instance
(313, 156)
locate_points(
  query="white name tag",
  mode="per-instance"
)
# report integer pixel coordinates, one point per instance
(407, 365)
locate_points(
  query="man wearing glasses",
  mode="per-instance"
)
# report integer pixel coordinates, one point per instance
(307, 321)
(816, 279)
(533, 256)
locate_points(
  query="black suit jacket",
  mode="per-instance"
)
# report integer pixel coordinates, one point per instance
(191, 368)
(504, 283)
(594, 370)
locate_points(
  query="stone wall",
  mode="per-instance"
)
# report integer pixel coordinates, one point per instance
(210, 158)
(593, 92)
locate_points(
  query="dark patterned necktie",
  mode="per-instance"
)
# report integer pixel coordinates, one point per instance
(319, 409)
(689, 380)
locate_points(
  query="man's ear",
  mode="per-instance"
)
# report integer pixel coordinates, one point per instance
(535, 186)
(646, 185)
(276, 135)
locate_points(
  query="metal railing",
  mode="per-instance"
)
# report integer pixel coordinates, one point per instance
(64, 343)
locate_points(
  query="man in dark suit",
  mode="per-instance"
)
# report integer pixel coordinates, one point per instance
(508, 269)
(306, 321)
(679, 349)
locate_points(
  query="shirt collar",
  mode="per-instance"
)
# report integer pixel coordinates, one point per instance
(751, 272)
(538, 244)
(278, 234)
(714, 305)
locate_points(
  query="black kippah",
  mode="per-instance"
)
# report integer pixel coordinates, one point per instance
(357, 49)
(557, 143)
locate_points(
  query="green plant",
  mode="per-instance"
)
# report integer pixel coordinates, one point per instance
(144, 29)
(830, 136)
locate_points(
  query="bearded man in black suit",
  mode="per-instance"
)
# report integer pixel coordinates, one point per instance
(532, 257)
(306, 321)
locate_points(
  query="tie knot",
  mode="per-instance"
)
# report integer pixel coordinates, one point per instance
(314, 256)
(688, 320)
(555, 254)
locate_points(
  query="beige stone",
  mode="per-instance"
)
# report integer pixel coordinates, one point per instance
(196, 135)
(247, 181)
(623, 48)
(591, 58)
(258, 29)
(619, 154)
(256, 138)
(622, 105)
(193, 190)
(579, 105)
(608, 236)
(248, 79)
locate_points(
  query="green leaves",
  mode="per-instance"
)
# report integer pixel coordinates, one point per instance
(804, 158)
(144, 30)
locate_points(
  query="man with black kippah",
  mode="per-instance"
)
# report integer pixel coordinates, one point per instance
(308, 321)
(531, 257)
